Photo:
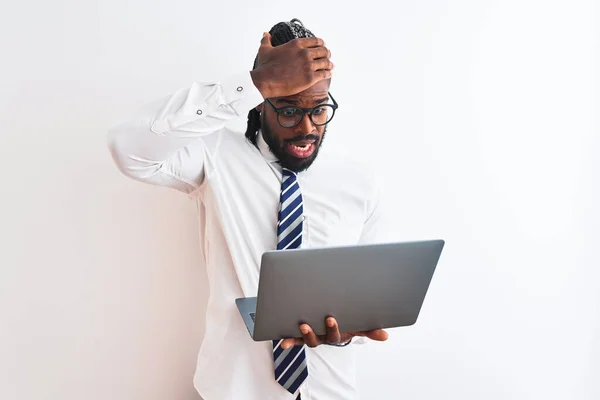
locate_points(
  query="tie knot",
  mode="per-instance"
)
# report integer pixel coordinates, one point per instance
(287, 172)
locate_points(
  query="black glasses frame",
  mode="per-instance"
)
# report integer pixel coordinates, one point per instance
(308, 111)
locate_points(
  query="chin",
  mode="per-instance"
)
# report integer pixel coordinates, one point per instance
(294, 164)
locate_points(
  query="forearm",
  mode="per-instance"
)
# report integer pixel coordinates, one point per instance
(149, 146)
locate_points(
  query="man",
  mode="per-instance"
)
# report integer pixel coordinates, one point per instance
(265, 191)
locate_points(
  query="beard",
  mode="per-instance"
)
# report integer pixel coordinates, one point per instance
(277, 147)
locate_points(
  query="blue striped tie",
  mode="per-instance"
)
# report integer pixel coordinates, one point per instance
(290, 364)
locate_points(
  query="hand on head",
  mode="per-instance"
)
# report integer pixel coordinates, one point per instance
(291, 67)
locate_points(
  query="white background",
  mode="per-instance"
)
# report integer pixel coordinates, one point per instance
(477, 114)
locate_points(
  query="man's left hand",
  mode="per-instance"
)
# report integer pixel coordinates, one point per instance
(332, 337)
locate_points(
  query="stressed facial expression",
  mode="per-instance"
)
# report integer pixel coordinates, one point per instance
(296, 147)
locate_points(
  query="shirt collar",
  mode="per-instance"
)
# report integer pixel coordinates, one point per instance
(264, 149)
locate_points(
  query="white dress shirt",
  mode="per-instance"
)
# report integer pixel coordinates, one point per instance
(180, 142)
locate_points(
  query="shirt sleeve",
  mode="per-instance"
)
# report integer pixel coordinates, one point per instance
(374, 230)
(162, 144)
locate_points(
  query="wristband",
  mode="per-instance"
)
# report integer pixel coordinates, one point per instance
(340, 344)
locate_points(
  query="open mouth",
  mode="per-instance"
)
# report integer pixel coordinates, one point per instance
(301, 149)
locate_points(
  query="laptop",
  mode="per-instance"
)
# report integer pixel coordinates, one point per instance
(364, 287)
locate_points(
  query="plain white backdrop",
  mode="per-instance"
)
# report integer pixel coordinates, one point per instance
(480, 116)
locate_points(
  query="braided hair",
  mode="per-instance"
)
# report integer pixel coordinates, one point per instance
(281, 33)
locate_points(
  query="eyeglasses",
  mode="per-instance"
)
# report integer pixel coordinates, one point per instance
(290, 116)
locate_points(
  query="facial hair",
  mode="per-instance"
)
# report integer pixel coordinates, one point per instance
(277, 147)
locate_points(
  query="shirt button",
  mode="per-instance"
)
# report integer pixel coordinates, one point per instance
(199, 112)
(239, 89)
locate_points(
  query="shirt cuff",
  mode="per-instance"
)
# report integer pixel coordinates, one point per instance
(240, 93)
(354, 340)
(203, 99)
(359, 340)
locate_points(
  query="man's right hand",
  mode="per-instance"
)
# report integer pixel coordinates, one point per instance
(291, 67)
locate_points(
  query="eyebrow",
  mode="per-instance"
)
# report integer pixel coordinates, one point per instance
(296, 102)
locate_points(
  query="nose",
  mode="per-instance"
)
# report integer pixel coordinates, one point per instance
(305, 126)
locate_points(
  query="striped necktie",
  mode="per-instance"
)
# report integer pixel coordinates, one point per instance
(290, 364)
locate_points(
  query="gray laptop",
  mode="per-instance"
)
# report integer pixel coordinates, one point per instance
(363, 286)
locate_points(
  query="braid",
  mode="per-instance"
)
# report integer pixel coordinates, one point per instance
(253, 125)
(281, 33)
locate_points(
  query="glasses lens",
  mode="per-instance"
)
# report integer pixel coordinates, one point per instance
(322, 115)
(289, 116)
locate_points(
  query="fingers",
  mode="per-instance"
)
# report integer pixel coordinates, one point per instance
(322, 64)
(310, 42)
(319, 52)
(333, 332)
(287, 343)
(309, 336)
(378, 334)
(266, 40)
(322, 74)
(333, 335)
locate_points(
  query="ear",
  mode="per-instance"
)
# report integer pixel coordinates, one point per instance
(260, 107)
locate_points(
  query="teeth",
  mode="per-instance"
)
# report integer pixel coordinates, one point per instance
(305, 147)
